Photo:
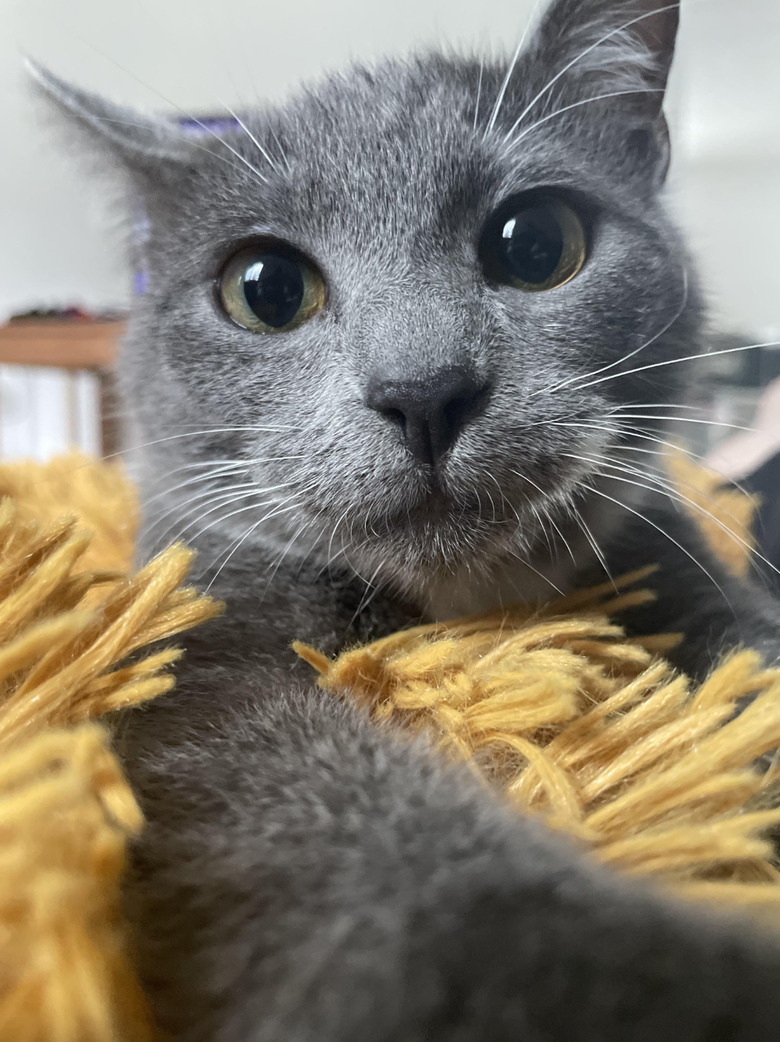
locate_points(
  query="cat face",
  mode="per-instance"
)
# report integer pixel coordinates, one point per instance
(408, 306)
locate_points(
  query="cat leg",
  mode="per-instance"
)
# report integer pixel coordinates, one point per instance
(696, 595)
(308, 875)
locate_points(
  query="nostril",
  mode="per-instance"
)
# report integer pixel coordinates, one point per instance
(459, 410)
(395, 416)
(429, 412)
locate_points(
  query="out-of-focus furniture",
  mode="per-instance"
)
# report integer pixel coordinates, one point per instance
(64, 343)
(56, 385)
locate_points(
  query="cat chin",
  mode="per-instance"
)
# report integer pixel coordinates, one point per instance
(459, 564)
(454, 581)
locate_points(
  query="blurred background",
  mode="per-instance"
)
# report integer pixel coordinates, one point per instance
(61, 248)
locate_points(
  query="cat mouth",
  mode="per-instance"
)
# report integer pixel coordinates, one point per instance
(436, 504)
(452, 518)
(421, 522)
(444, 520)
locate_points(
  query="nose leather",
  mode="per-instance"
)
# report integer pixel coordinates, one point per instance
(430, 412)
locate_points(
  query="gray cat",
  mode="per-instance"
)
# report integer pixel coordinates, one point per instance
(399, 351)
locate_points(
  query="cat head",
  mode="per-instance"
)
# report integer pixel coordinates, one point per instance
(405, 309)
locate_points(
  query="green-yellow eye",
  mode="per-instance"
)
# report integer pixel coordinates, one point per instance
(269, 289)
(537, 244)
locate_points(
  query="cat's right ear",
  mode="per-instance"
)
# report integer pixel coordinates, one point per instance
(138, 141)
(609, 60)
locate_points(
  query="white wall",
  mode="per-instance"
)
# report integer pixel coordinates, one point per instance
(56, 242)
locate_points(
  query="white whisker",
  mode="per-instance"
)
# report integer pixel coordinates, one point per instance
(647, 343)
(266, 155)
(580, 520)
(664, 487)
(187, 115)
(584, 53)
(210, 475)
(224, 501)
(479, 93)
(685, 358)
(507, 78)
(568, 108)
(686, 419)
(285, 507)
(666, 535)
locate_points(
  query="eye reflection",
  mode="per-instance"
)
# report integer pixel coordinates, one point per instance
(269, 289)
(538, 245)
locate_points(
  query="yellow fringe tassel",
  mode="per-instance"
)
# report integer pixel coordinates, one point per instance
(592, 732)
(70, 615)
(561, 713)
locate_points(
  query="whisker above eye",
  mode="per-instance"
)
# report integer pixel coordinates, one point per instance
(269, 159)
(479, 93)
(188, 116)
(494, 114)
(508, 139)
(193, 144)
(583, 54)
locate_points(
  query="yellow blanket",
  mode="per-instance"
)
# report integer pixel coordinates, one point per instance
(555, 709)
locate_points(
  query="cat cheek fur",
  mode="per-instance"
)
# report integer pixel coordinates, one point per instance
(306, 874)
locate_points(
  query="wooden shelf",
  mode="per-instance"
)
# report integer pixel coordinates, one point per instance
(66, 343)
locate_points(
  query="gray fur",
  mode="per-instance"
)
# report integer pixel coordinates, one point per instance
(306, 875)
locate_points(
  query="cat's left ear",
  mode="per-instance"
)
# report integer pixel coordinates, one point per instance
(139, 142)
(618, 53)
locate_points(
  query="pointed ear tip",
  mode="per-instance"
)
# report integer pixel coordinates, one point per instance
(45, 81)
(39, 73)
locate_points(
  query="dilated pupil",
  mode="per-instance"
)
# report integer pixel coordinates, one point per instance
(532, 244)
(273, 288)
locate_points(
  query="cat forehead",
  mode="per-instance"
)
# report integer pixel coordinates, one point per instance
(394, 99)
(399, 146)
(400, 125)
(407, 139)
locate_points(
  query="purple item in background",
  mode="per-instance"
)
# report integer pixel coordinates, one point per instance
(195, 126)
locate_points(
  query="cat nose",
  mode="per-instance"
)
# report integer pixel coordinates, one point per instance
(430, 412)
